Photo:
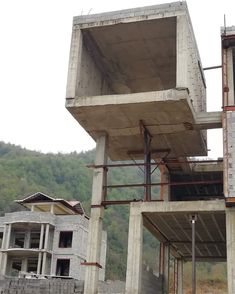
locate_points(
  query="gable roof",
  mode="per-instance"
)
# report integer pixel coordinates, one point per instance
(40, 197)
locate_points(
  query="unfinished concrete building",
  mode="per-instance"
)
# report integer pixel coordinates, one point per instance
(47, 239)
(137, 86)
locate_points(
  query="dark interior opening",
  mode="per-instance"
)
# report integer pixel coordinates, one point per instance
(32, 265)
(34, 239)
(62, 267)
(66, 239)
(19, 240)
(16, 264)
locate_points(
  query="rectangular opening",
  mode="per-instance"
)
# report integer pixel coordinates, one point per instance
(32, 265)
(19, 239)
(1, 237)
(62, 267)
(65, 240)
(34, 239)
(16, 267)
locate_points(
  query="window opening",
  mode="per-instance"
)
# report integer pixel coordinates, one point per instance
(66, 239)
(62, 267)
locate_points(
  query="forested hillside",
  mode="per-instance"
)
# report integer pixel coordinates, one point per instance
(23, 172)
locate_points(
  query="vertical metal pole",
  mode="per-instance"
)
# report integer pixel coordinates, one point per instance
(147, 166)
(193, 221)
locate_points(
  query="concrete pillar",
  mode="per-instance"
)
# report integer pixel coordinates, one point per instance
(180, 276)
(44, 257)
(27, 238)
(52, 208)
(166, 269)
(96, 219)
(134, 259)
(44, 261)
(39, 263)
(230, 77)
(164, 178)
(8, 236)
(24, 265)
(46, 237)
(182, 52)
(4, 263)
(41, 237)
(2, 247)
(230, 236)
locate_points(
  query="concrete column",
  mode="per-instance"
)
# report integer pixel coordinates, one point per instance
(8, 236)
(180, 276)
(46, 237)
(74, 63)
(24, 265)
(230, 70)
(164, 178)
(45, 247)
(96, 219)
(52, 208)
(44, 261)
(134, 260)
(166, 269)
(39, 263)
(2, 247)
(4, 263)
(41, 237)
(230, 236)
(27, 238)
(182, 52)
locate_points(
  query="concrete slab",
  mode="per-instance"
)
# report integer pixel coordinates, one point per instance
(168, 115)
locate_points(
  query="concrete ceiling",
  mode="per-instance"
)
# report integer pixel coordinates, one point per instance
(137, 56)
(176, 229)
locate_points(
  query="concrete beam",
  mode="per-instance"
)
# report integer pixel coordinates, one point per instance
(208, 120)
(180, 206)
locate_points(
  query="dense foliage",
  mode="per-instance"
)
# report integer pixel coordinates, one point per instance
(24, 172)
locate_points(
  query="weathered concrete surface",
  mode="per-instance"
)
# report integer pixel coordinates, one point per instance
(134, 254)
(94, 245)
(111, 87)
(230, 230)
(168, 115)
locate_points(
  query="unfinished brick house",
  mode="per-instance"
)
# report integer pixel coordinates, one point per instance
(48, 238)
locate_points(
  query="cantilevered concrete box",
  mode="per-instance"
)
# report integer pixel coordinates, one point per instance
(138, 65)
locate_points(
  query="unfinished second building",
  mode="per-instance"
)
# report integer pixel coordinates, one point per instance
(48, 238)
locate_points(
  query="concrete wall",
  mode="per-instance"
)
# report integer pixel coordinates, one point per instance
(35, 286)
(55, 286)
(92, 81)
(229, 154)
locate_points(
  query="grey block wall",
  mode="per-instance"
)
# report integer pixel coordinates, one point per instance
(55, 286)
(35, 286)
(230, 153)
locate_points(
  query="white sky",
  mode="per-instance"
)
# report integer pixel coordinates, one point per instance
(34, 52)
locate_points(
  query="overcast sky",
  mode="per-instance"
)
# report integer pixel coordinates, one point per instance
(34, 52)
